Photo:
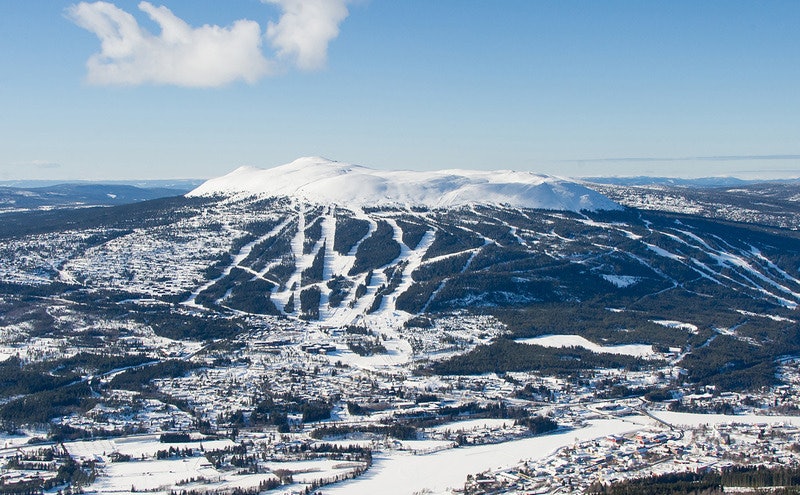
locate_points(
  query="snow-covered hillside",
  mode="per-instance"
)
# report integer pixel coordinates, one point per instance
(324, 181)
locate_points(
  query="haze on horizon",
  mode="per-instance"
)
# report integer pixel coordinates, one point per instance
(186, 89)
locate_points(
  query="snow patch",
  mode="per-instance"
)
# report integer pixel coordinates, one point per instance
(764, 315)
(637, 350)
(621, 281)
(676, 324)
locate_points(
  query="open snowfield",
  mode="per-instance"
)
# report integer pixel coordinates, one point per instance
(152, 474)
(193, 472)
(403, 474)
(693, 420)
(474, 424)
(677, 324)
(12, 441)
(137, 446)
(637, 350)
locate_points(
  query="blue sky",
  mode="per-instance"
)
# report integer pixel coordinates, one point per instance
(574, 88)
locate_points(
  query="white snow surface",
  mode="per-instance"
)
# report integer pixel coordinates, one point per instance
(694, 419)
(621, 281)
(324, 181)
(636, 350)
(676, 324)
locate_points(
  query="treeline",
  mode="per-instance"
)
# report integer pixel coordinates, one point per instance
(137, 379)
(40, 407)
(313, 273)
(16, 379)
(275, 411)
(145, 214)
(377, 250)
(179, 326)
(313, 231)
(779, 480)
(349, 231)
(413, 231)
(71, 393)
(309, 303)
(272, 248)
(446, 267)
(241, 291)
(366, 346)
(730, 364)
(504, 355)
(252, 296)
(452, 240)
(593, 321)
(339, 287)
(726, 362)
(53, 388)
(538, 424)
(70, 473)
(395, 430)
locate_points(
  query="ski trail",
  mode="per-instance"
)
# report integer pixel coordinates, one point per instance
(259, 275)
(326, 239)
(735, 259)
(695, 237)
(269, 266)
(305, 261)
(444, 282)
(243, 253)
(431, 261)
(412, 259)
(474, 254)
(513, 233)
(757, 253)
(743, 266)
(338, 264)
(328, 235)
(433, 296)
(373, 226)
(292, 287)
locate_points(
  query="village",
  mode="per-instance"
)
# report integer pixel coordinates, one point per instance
(298, 411)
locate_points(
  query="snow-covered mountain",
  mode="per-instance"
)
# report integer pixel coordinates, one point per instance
(304, 247)
(320, 181)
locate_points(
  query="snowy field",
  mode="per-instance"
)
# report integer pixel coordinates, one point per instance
(152, 475)
(676, 324)
(637, 350)
(137, 446)
(694, 420)
(143, 473)
(474, 424)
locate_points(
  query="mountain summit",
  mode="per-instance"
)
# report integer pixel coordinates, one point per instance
(324, 181)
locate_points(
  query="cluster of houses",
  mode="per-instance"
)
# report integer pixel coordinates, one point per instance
(652, 451)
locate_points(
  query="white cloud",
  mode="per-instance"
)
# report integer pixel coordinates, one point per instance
(206, 56)
(305, 29)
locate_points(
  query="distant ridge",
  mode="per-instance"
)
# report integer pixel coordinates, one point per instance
(320, 180)
(702, 182)
(78, 195)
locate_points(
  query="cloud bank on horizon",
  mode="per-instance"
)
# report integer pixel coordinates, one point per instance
(209, 55)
